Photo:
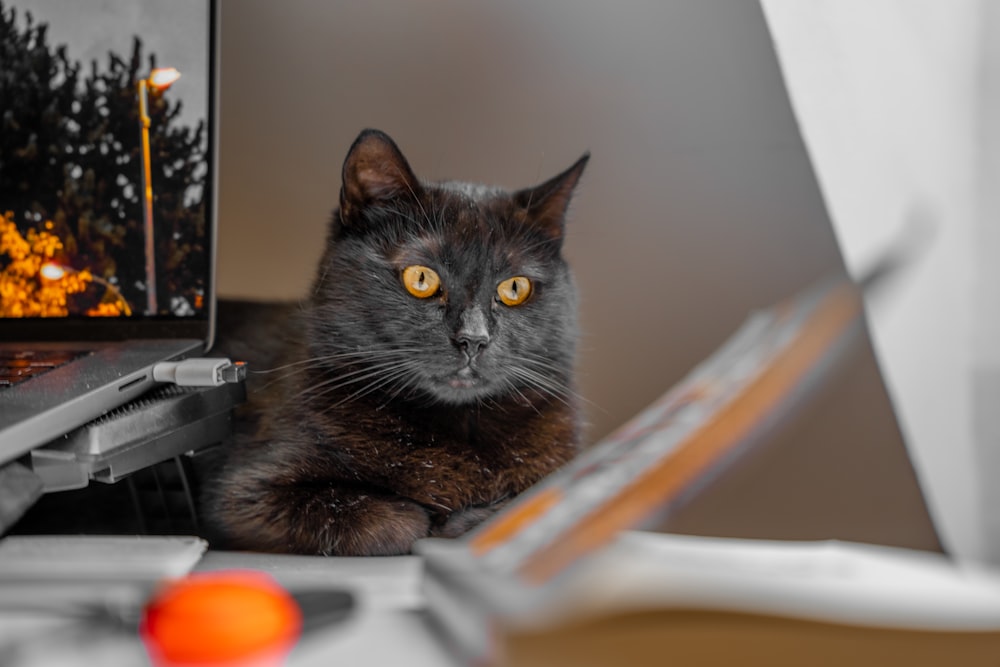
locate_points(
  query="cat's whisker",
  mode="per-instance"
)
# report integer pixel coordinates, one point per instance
(538, 363)
(405, 385)
(533, 379)
(542, 368)
(299, 367)
(332, 385)
(339, 381)
(400, 362)
(363, 354)
(543, 384)
(386, 378)
(511, 386)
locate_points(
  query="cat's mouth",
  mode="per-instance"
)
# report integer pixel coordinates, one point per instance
(462, 385)
(464, 378)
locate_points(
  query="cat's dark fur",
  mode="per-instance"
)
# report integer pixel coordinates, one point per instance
(388, 417)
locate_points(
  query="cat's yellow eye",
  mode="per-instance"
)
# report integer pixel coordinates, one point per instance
(514, 291)
(420, 281)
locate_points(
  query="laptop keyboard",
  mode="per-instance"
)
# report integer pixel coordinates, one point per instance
(19, 365)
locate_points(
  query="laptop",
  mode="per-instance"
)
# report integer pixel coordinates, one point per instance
(108, 175)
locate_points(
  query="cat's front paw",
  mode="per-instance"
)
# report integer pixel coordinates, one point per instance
(333, 521)
(462, 521)
(379, 526)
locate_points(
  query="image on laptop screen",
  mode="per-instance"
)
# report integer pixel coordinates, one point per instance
(104, 159)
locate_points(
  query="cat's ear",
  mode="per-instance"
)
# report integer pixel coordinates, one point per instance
(374, 170)
(545, 205)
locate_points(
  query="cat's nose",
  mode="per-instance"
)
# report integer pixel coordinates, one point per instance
(473, 334)
(471, 344)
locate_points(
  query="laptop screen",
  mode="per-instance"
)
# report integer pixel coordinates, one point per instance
(106, 162)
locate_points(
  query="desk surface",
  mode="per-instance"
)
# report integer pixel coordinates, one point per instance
(388, 625)
(826, 582)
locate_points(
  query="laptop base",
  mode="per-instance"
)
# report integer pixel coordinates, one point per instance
(149, 444)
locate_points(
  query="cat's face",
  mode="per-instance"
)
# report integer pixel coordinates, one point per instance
(449, 292)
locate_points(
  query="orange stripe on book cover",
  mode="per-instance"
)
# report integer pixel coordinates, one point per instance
(833, 320)
(511, 523)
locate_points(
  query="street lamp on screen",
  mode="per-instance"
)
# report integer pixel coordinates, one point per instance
(158, 81)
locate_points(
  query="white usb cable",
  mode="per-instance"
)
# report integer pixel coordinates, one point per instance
(200, 372)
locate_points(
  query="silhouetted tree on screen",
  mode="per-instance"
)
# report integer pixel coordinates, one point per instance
(70, 153)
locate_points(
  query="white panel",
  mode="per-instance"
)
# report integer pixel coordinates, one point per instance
(887, 98)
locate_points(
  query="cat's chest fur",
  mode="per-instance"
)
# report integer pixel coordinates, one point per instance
(444, 458)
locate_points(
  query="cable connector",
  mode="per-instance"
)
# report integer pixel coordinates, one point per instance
(200, 372)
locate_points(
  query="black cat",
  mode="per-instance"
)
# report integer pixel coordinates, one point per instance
(427, 379)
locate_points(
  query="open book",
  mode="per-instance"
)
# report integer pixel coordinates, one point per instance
(555, 579)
